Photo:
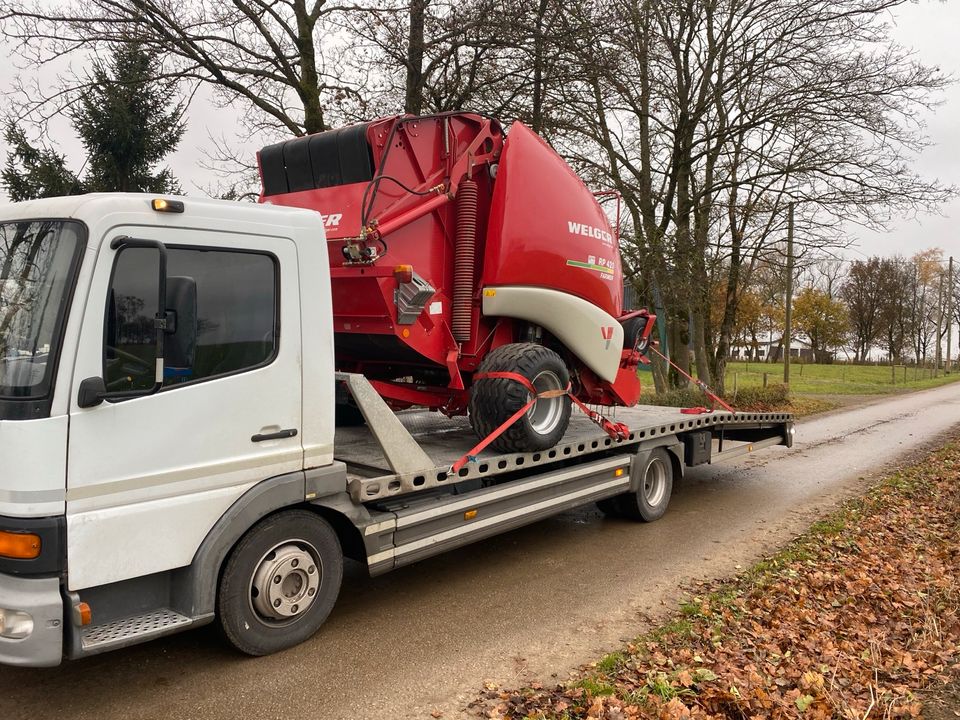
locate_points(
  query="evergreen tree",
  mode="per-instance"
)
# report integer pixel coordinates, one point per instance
(128, 119)
(34, 172)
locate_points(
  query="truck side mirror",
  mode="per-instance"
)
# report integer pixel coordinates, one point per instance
(92, 392)
(180, 344)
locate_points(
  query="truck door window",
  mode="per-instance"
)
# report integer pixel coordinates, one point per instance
(237, 315)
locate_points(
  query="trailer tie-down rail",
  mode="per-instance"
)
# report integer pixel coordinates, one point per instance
(617, 431)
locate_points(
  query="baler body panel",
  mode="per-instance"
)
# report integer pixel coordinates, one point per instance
(414, 152)
(547, 229)
(449, 199)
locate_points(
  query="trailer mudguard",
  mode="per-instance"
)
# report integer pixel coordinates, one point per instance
(588, 332)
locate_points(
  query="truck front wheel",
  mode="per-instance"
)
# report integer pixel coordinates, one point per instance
(280, 582)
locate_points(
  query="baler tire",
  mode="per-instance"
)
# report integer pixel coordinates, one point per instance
(260, 554)
(631, 334)
(494, 400)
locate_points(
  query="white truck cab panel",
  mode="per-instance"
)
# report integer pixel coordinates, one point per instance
(34, 456)
(141, 481)
(149, 476)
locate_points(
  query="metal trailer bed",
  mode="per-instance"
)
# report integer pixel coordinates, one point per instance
(412, 451)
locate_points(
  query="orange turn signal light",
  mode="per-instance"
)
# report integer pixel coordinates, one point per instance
(19, 546)
(82, 614)
(403, 273)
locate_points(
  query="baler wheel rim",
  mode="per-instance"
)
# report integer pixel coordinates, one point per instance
(546, 413)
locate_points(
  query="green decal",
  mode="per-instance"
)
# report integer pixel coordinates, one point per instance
(590, 266)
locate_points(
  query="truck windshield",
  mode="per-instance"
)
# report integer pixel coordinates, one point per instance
(37, 262)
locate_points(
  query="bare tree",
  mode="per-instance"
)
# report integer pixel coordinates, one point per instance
(893, 279)
(710, 117)
(276, 60)
(863, 293)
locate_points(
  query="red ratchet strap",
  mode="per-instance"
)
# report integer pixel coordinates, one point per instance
(703, 386)
(618, 431)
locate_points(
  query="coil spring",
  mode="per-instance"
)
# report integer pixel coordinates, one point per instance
(464, 260)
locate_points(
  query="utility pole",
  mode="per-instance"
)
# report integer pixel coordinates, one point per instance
(949, 313)
(938, 349)
(788, 316)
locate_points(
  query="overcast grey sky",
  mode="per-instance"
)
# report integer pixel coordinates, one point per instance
(930, 27)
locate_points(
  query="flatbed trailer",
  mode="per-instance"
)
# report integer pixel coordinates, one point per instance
(168, 449)
(401, 468)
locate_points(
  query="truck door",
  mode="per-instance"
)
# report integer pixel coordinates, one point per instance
(150, 473)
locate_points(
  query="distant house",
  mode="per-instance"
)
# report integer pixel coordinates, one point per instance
(769, 349)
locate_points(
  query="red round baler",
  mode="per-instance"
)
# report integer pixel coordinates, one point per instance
(460, 259)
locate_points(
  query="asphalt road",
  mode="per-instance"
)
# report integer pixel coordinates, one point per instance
(534, 603)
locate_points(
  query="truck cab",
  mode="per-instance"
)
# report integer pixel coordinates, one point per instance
(155, 354)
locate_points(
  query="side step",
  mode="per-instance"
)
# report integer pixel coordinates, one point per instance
(131, 630)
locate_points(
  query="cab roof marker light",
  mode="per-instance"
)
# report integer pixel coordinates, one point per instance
(164, 205)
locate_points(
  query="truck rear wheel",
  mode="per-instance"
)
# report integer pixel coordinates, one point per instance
(650, 501)
(280, 582)
(494, 400)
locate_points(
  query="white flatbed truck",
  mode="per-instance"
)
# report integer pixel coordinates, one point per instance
(168, 453)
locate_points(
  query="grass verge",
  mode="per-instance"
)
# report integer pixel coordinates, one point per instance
(857, 618)
(836, 379)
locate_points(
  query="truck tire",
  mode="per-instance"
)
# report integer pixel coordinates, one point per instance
(280, 582)
(650, 501)
(494, 400)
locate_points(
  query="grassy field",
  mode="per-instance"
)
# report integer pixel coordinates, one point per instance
(837, 379)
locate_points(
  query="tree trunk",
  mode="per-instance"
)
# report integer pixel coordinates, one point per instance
(536, 119)
(309, 86)
(413, 101)
(729, 310)
(700, 354)
(679, 350)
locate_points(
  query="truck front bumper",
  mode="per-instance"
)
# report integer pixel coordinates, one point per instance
(31, 621)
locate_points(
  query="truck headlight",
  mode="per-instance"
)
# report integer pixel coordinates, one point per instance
(15, 624)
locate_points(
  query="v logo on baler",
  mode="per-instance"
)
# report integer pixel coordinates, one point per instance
(607, 333)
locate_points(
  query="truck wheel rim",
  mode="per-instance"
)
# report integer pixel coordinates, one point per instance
(286, 581)
(654, 482)
(545, 413)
